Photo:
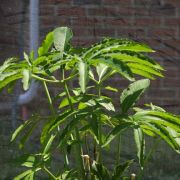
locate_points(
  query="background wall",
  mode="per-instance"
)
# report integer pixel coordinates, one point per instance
(155, 22)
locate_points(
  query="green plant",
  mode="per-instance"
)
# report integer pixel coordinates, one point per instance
(86, 121)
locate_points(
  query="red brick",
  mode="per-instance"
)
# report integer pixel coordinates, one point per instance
(132, 32)
(102, 11)
(46, 10)
(101, 32)
(171, 83)
(174, 2)
(64, 2)
(148, 3)
(117, 2)
(165, 10)
(172, 22)
(87, 2)
(146, 21)
(161, 93)
(162, 32)
(71, 11)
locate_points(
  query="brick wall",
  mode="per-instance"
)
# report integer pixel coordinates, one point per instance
(155, 22)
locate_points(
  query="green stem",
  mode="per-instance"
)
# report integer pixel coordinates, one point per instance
(49, 98)
(50, 174)
(78, 146)
(99, 154)
(66, 160)
(46, 80)
(118, 151)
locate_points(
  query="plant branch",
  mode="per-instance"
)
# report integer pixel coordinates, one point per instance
(49, 98)
(50, 174)
(78, 146)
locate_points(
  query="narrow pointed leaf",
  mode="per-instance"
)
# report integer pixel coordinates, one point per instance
(116, 131)
(26, 79)
(47, 43)
(101, 70)
(83, 75)
(130, 95)
(140, 145)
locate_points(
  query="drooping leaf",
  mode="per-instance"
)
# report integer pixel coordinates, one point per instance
(10, 79)
(130, 95)
(134, 57)
(140, 145)
(83, 75)
(62, 36)
(164, 133)
(26, 79)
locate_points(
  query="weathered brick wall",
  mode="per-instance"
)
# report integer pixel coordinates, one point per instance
(155, 22)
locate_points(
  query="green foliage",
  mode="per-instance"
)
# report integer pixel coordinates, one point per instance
(86, 121)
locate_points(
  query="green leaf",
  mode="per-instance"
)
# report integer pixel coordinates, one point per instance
(26, 57)
(145, 68)
(26, 79)
(120, 170)
(130, 95)
(8, 63)
(111, 89)
(72, 124)
(100, 171)
(164, 133)
(133, 57)
(19, 129)
(83, 75)
(27, 134)
(62, 36)
(10, 79)
(65, 102)
(101, 70)
(54, 123)
(116, 65)
(106, 103)
(116, 131)
(29, 161)
(140, 145)
(47, 146)
(23, 175)
(47, 43)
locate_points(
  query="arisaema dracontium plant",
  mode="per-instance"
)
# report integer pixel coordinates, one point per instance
(86, 122)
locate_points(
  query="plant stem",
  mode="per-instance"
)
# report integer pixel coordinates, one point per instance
(78, 146)
(99, 155)
(118, 151)
(49, 98)
(50, 174)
